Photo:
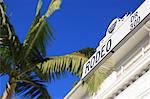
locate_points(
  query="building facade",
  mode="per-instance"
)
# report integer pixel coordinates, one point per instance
(127, 45)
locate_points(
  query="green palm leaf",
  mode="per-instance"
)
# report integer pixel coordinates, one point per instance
(31, 86)
(9, 43)
(39, 38)
(55, 5)
(95, 80)
(5, 61)
(72, 62)
(40, 31)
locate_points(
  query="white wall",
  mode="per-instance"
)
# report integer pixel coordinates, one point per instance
(138, 90)
(128, 79)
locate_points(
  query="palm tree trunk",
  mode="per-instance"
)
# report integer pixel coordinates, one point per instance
(9, 91)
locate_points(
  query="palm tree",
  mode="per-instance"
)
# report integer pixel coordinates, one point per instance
(25, 63)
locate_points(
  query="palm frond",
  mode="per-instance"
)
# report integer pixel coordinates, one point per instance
(55, 5)
(9, 42)
(39, 6)
(30, 86)
(5, 61)
(40, 31)
(95, 80)
(88, 52)
(40, 74)
(72, 62)
(38, 39)
(7, 33)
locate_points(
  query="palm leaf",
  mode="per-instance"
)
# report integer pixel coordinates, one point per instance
(5, 61)
(38, 39)
(31, 86)
(93, 83)
(7, 33)
(55, 5)
(39, 6)
(40, 31)
(95, 80)
(40, 74)
(72, 62)
(9, 43)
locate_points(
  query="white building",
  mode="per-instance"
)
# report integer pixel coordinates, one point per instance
(127, 44)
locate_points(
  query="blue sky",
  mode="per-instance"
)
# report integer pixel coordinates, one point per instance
(79, 24)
